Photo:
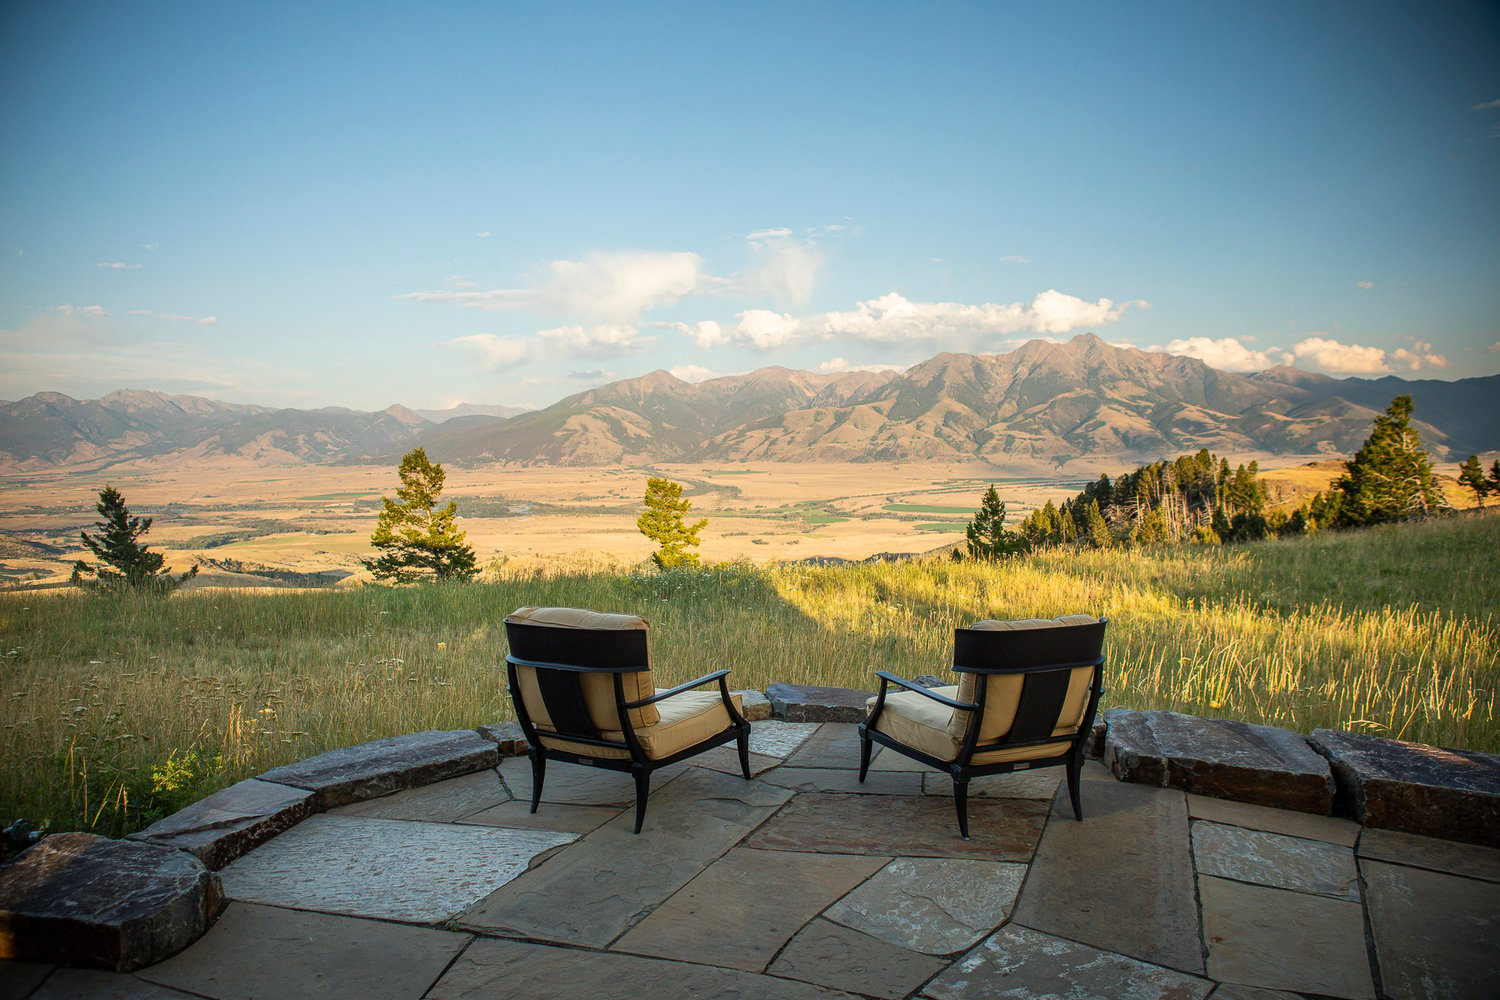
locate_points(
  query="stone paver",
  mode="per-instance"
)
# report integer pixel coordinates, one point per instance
(93, 984)
(1230, 991)
(779, 739)
(580, 785)
(830, 955)
(256, 952)
(1134, 897)
(444, 802)
(1278, 939)
(1285, 821)
(18, 979)
(727, 759)
(715, 921)
(494, 968)
(231, 822)
(591, 892)
(904, 827)
(937, 906)
(1436, 936)
(1017, 963)
(1041, 784)
(835, 744)
(393, 869)
(1275, 860)
(827, 779)
(517, 815)
(1469, 860)
(380, 767)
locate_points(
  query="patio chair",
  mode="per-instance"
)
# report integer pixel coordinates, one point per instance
(581, 683)
(1026, 698)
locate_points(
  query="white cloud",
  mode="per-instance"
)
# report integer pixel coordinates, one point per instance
(1420, 356)
(707, 334)
(784, 269)
(605, 339)
(1227, 354)
(150, 246)
(1487, 105)
(1341, 359)
(118, 265)
(606, 288)
(1364, 284)
(483, 234)
(691, 373)
(493, 352)
(68, 309)
(200, 320)
(765, 330)
(834, 365)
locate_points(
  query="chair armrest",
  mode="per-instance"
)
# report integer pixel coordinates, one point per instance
(706, 678)
(924, 691)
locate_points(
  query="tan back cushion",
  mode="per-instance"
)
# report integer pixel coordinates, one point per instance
(1004, 692)
(598, 689)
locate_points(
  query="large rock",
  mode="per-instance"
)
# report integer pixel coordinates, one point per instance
(508, 736)
(351, 774)
(809, 703)
(231, 822)
(1451, 794)
(1228, 760)
(82, 899)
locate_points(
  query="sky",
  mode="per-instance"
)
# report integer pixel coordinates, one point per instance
(506, 203)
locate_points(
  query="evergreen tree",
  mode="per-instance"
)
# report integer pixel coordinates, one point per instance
(416, 541)
(1494, 477)
(662, 523)
(1471, 474)
(1067, 526)
(117, 546)
(1098, 532)
(987, 537)
(1389, 478)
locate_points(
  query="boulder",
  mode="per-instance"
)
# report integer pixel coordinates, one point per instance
(1242, 761)
(809, 703)
(508, 737)
(369, 770)
(81, 899)
(231, 822)
(756, 706)
(1432, 791)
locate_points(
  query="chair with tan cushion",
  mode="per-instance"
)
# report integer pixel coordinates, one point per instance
(1026, 696)
(581, 683)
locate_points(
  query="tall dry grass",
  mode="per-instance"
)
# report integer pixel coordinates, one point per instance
(117, 709)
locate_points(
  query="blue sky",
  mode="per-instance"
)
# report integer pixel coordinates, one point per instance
(360, 204)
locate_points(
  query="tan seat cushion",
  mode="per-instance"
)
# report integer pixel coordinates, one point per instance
(598, 689)
(686, 719)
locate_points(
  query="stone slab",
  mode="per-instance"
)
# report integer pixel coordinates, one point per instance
(937, 906)
(780, 739)
(256, 952)
(714, 921)
(825, 779)
(509, 738)
(1282, 940)
(1017, 962)
(1432, 791)
(1329, 829)
(834, 745)
(95, 984)
(1436, 936)
(442, 802)
(593, 891)
(580, 785)
(1230, 991)
(1122, 880)
(517, 815)
(727, 760)
(231, 821)
(1242, 761)
(380, 767)
(80, 899)
(1468, 860)
(894, 826)
(810, 703)
(389, 869)
(1275, 860)
(830, 955)
(494, 968)
(1040, 784)
(754, 706)
(18, 979)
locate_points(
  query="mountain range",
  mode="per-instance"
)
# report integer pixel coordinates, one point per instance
(1044, 404)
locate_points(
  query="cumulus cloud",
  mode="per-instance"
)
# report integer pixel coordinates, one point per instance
(607, 338)
(1420, 356)
(691, 373)
(1340, 359)
(707, 334)
(1227, 353)
(835, 365)
(605, 288)
(118, 265)
(492, 352)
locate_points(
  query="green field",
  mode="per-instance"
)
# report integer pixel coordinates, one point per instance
(115, 710)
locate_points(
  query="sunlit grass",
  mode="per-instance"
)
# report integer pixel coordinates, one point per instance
(118, 709)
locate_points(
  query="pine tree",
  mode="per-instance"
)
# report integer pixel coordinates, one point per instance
(117, 545)
(987, 537)
(416, 541)
(1067, 526)
(1471, 474)
(662, 523)
(1494, 477)
(1098, 532)
(1389, 478)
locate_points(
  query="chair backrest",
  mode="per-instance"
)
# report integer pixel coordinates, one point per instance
(1039, 674)
(574, 655)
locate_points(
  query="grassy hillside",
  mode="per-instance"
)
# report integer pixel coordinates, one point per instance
(114, 710)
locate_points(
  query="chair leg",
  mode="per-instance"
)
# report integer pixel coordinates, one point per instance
(538, 775)
(961, 803)
(642, 791)
(744, 745)
(1074, 767)
(864, 755)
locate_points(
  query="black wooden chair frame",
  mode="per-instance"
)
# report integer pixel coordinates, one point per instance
(616, 653)
(986, 653)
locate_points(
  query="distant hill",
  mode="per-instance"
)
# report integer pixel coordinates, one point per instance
(1042, 404)
(469, 410)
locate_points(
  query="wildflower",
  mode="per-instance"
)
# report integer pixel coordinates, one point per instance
(442, 645)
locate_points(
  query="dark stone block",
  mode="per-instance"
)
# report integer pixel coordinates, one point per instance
(931, 681)
(82, 899)
(369, 770)
(508, 737)
(807, 703)
(231, 822)
(1242, 761)
(1394, 785)
(1094, 747)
